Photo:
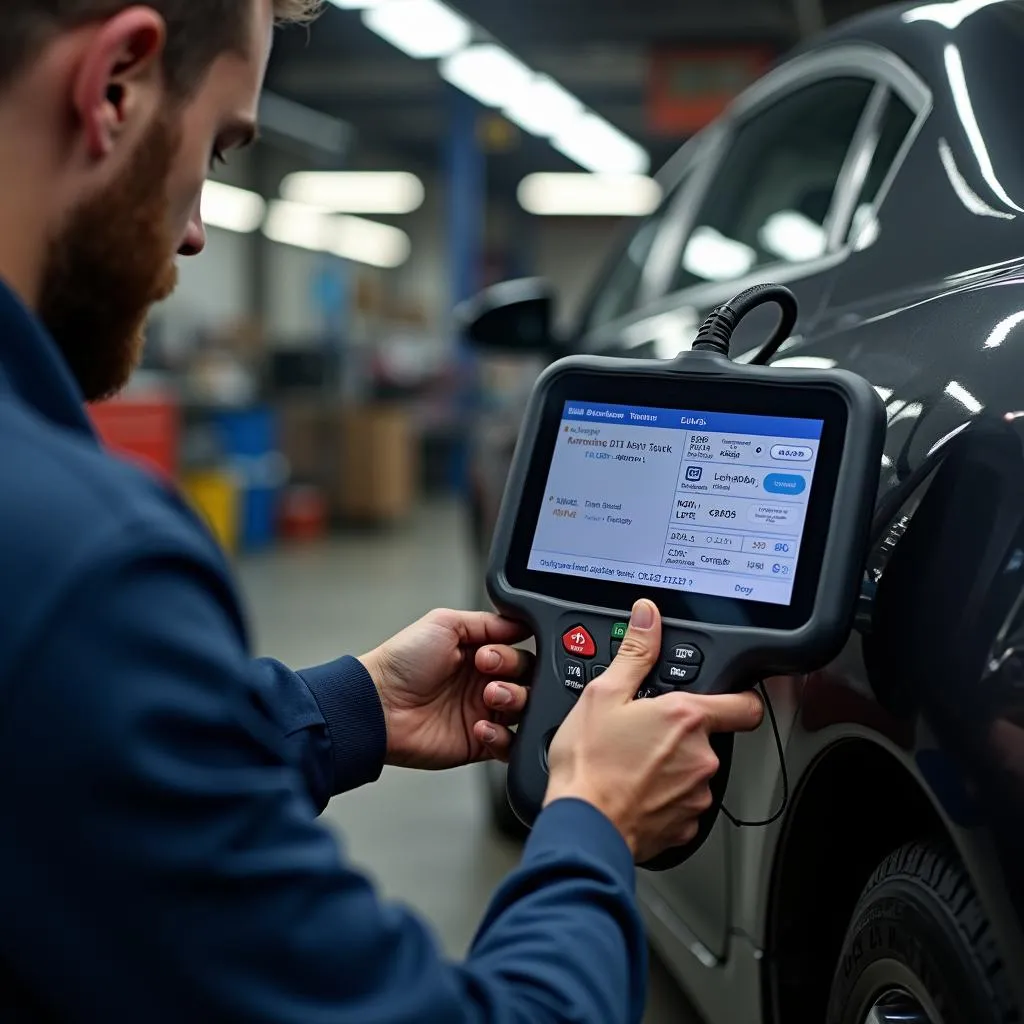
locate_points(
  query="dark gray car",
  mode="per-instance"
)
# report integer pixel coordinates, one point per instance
(879, 173)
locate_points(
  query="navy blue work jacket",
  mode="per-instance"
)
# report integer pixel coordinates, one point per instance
(160, 854)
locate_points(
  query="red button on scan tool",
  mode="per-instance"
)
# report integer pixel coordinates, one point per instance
(579, 641)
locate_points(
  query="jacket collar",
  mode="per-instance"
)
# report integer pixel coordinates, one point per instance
(32, 366)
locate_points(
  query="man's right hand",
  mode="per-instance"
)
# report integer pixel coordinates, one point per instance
(645, 764)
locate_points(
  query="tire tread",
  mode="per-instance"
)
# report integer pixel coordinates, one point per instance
(932, 865)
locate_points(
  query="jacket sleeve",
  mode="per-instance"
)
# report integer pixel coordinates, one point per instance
(163, 861)
(331, 721)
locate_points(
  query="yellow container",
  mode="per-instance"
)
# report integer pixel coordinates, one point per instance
(214, 495)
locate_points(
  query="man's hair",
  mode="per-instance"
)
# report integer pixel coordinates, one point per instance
(198, 31)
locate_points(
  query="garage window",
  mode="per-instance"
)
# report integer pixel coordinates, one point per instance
(770, 199)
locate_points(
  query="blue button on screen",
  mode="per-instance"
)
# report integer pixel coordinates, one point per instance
(784, 483)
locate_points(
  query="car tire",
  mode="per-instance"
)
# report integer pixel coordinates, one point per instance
(919, 948)
(503, 818)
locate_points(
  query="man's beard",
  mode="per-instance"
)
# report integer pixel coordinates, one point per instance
(113, 259)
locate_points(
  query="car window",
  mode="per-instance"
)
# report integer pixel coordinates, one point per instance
(619, 292)
(771, 196)
(897, 121)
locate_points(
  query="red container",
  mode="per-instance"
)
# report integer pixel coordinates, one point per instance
(304, 514)
(145, 430)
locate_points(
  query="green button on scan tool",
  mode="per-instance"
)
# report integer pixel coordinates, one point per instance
(619, 630)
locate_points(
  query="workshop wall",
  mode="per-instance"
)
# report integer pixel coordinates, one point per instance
(213, 288)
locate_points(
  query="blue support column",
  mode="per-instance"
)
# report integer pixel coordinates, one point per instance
(465, 166)
(466, 169)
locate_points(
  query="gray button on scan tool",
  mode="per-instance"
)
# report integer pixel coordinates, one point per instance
(679, 674)
(574, 676)
(686, 654)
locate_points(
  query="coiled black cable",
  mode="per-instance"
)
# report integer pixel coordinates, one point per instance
(715, 334)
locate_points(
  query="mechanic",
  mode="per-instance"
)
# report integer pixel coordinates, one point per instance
(160, 858)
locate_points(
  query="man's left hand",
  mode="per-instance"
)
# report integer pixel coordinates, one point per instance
(438, 684)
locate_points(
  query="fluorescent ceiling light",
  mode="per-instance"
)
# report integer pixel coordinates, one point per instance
(296, 224)
(391, 192)
(488, 73)
(543, 108)
(589, 195)
(231, 209)
(366, 241)
(285, 117)
(420, 28)
(713, 257)
(792, 236)
(495, 78)
(352, 238)
(594, 144)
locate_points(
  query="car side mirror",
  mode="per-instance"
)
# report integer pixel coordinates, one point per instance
(515, 316)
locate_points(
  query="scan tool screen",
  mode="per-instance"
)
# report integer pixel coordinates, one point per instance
(708, 503)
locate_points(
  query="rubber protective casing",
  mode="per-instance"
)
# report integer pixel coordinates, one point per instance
(736, 657)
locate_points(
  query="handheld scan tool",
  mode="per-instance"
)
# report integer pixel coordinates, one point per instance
(737, 497)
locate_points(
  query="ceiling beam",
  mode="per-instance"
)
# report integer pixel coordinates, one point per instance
(649, 21)
(287, 119)
(579, 68)
(397, 77)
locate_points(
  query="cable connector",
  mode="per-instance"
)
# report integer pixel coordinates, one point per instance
(715, 334)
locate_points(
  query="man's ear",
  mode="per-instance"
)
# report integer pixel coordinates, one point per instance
(119, 79)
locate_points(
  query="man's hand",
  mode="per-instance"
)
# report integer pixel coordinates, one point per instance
(646, 764)
(437, 685)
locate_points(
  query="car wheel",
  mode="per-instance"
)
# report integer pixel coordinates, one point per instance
(919, 950)
(503, 818)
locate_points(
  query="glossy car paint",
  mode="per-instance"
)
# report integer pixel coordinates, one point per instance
(918, 728)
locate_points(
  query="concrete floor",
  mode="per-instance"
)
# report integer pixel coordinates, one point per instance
(311, 604)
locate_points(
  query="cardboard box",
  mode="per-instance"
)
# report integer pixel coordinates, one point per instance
(379, 472)
(309, 440)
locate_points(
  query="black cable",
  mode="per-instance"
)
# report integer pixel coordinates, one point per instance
(715, 335)
(716, 332)
(782, 763)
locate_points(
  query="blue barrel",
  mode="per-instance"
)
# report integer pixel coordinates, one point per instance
(249, 441)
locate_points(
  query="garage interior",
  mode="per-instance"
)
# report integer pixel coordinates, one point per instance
(309, 387)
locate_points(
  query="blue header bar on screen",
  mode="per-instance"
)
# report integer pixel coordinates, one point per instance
(688, 419)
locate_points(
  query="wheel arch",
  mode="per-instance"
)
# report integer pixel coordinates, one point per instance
(854, 805)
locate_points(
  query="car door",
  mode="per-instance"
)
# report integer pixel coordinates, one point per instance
(776, 204)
